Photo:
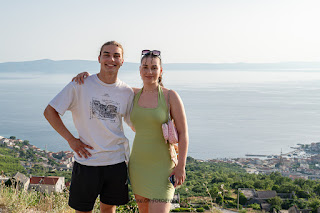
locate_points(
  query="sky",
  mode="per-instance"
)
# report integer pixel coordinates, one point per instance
(203, 31)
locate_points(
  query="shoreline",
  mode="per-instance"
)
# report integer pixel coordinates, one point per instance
(297, 152)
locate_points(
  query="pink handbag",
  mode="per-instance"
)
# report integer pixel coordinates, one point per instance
(170, 135)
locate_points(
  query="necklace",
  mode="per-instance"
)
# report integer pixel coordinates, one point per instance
(150, 91)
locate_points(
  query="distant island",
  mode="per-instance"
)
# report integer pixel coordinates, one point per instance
(47, 65)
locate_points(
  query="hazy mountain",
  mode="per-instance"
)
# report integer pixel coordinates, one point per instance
(246, 66)
(47, 65)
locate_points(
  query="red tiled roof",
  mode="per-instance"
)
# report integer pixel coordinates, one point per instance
(51, 180)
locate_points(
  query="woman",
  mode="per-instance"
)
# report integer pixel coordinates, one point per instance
(150, 165)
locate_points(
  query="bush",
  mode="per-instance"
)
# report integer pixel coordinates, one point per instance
(184, 210)
(303, 194)
(206, 207)
(287, 204)
(243, 211)
(27, 201)
(231, 204)
(254, 206)
(200, 209)
(219, 200)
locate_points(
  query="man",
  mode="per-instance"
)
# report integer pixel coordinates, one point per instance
(101, 150)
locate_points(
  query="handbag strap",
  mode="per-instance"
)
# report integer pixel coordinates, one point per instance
(169, 114)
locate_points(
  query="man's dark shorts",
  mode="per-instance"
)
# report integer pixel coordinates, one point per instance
(110, 182)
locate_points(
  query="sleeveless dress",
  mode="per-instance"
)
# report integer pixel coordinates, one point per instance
(150, 164)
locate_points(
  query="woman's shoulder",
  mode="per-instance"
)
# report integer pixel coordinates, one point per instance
(136, 90)
(169, 93)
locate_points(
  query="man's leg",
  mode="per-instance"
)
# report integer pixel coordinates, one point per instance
(85, 187)
(105, 208)
(114, 190)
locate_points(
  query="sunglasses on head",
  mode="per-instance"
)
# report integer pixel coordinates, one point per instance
(151, 52)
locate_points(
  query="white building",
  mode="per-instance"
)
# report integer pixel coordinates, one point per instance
(22, 180)
(6, 141)
(47, 184)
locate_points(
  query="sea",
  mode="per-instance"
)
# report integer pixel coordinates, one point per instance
(230, 113)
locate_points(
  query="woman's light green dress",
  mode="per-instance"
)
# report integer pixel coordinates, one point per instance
(150, 164)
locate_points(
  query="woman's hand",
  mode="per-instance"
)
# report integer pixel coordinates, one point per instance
(80, 77)
(180, 174)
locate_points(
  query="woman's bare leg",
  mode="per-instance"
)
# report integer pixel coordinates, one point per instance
(143, 203)
(159, 207)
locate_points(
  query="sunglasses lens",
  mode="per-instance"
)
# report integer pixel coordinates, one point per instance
(156, 52)
(145, 52)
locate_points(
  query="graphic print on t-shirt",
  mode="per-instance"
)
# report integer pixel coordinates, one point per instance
(104, 109)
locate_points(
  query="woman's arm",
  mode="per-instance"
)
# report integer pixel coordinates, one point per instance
(179, 116)
(80, 77)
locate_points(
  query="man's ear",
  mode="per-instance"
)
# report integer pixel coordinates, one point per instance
(99, 58)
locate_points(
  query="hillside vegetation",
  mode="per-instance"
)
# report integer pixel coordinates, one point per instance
(207, 183)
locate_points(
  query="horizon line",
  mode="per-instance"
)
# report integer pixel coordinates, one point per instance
(46, 59)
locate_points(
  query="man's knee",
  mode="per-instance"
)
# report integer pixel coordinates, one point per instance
(105, 208)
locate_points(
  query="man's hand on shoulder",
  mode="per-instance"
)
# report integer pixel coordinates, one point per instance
(80, 148)
(79, 79)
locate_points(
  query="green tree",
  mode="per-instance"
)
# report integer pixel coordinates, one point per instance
(242, 199)
(276, 188)
(287, 204)
(25, 142)
(259, 184)
(316, 189)
(276, 203)
(243, 184)
(301, 203)
(21, 154)
(219, 199)
(314, 204)
(288, 187)
(214, 192)
(13, 137)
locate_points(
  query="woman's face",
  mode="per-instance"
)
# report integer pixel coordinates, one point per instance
(150, 70)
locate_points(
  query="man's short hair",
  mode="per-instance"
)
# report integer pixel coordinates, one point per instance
(112, 43)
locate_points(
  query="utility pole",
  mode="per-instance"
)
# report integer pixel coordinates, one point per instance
(238, 199)
(46, 167)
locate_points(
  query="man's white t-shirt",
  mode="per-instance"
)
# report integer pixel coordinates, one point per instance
(97, 110)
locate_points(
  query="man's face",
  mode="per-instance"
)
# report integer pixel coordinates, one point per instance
(110, 59)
